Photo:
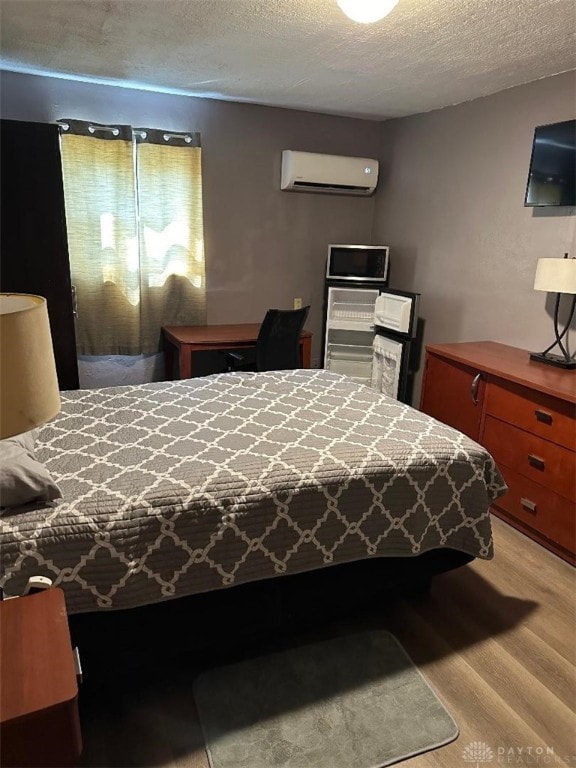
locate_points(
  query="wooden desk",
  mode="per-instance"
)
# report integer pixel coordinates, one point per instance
(39, 723)
(187, 339)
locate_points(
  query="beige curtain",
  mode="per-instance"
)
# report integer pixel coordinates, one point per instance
(135, 234)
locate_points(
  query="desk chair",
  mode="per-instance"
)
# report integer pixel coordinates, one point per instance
(278, 344)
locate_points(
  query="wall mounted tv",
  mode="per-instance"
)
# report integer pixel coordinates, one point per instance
(552, 176)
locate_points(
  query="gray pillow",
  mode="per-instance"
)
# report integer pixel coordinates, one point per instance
(22, 478)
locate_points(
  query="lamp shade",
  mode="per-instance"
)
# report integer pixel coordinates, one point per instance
(29, 393)
(556, 275)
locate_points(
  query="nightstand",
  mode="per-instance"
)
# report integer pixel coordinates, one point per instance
(39, 721)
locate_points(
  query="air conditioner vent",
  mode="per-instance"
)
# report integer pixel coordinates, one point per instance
(334, 174)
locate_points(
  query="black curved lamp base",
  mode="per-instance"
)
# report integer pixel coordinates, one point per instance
(564, 360)
(558, 360)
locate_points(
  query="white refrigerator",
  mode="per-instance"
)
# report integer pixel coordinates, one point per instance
(349, 331)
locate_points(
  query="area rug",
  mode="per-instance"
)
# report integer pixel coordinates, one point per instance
(354, 701)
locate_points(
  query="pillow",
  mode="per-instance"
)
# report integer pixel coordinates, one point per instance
(22, 477)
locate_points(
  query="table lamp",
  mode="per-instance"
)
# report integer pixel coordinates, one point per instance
(29, 393)
(557, 276)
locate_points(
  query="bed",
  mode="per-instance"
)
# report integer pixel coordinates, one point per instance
(185, 487)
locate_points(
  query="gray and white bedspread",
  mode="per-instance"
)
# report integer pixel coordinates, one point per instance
(187, 486)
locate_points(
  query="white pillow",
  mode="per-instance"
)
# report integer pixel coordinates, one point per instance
(22, 478)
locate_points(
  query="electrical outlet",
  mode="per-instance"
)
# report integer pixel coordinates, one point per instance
(297, 303)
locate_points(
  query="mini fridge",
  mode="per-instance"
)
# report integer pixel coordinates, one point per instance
(349, 330)
(395, 324)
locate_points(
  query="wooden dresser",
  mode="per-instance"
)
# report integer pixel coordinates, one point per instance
(524, 413)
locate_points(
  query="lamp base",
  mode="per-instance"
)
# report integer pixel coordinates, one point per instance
(557, 360)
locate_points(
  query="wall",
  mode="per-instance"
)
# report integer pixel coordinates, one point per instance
(451, 209)
(263, 247)
(450, 205)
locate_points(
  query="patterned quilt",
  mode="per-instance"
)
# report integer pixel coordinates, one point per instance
(182, 487)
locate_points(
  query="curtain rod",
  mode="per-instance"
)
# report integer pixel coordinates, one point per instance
(152, 135)
(92, 128)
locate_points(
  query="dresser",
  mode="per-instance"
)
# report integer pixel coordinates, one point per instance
(524, 413)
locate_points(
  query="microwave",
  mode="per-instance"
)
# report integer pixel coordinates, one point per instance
(359, 263)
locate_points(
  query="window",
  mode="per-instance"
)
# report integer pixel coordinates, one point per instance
(135, 234)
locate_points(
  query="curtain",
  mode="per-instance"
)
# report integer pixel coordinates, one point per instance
(135, 234)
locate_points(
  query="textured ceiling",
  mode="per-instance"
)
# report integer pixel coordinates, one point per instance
(303, 54)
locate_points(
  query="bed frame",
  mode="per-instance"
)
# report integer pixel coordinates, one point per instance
(232, 620)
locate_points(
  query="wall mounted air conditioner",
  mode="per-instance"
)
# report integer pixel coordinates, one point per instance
(311, 172)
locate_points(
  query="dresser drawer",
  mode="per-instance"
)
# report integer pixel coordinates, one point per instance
(539, 460)
(536, 412)
(539, 509)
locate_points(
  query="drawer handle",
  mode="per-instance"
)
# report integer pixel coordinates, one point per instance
(474, 388)
(528, 505)
(545, 418)
(77, 664)
(535, 462)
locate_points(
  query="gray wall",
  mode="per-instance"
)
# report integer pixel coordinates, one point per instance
(451, 209)
(450, 204)
(264, 247)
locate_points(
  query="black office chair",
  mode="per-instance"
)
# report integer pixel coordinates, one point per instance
(278, 344)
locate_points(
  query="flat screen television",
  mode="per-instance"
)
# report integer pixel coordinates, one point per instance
(552, 176)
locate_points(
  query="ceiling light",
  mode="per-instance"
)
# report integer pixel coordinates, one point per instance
(367, 11)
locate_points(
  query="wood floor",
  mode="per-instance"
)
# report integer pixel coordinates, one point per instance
(496, 640)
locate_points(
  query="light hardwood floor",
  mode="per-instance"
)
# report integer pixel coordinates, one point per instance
(496, 640)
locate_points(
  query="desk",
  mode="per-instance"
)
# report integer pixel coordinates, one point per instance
(187, 339)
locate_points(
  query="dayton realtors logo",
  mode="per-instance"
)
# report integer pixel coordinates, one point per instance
(478, 753)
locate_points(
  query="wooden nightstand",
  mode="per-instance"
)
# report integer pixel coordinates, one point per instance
(39, 722)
